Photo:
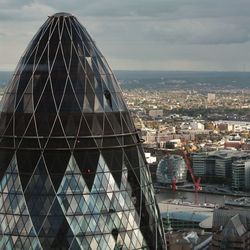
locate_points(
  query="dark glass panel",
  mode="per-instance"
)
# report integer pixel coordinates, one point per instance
(110, 142)
(66, 45)
(87, 161)
(7, 142)
(125, 124)
(53, 42)
(44, 124)
(69, 103)
(57, 143)
(60, 25)
(25, 77)
(41, 47)
(107, 127)
(25, 178)
(71, 123)
(128, 140)
(79, 44)
(29, 143)
(40, 80)
(27, 160)
(75, 66)
(21, 122)
(30, 127)
(131, 160)
(56, 162)
(77, 75)
(85, 143)
(115, 120)
(97, 126)
(9, 128)
(57, 128)
(59, 78)
(46, 104)
(5, 158)
(128, 121)
(88, 43)
(6, 124)
(85, 130)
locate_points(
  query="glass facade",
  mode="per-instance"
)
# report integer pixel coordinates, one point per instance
(171, 168)
(73, 172)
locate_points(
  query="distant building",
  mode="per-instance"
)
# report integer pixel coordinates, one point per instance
(225, 127)
(209, 125)
(173, 144)
(149, 135)
(171, 167)
(238, 175)
(216, 163)
(231, 229)
(155, 113)
(234, 141)
(211, 97)
(246, 145)
(247, 175)
(197, 125)
(150, 159)
(234, 126)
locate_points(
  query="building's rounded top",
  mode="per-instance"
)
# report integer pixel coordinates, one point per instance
(62, 14)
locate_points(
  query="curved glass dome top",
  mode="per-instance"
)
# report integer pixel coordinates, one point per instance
(73, 172)
(63, 74)
(62, 14)
(171, 167)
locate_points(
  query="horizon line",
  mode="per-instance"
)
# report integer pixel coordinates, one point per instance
(166, 70)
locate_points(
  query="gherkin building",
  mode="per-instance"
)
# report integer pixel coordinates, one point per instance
(72, 169)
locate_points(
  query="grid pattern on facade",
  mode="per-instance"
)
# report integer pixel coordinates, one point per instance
(73, 172)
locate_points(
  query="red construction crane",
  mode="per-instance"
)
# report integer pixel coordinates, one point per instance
(173, 184)
(196, 182)
(173, 181)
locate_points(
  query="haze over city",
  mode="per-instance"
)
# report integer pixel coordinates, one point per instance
(143, 34)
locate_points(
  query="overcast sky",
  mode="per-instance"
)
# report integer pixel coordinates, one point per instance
(141, 34)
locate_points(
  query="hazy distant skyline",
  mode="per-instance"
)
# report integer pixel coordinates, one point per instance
(141, 34)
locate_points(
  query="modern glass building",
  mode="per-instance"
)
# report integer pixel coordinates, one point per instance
(72, 170)
(171, 168)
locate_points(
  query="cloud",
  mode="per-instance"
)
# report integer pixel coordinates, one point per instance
(146, 33)
(201, 31)
(32, 11)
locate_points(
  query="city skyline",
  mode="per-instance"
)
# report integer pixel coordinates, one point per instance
(148, 35)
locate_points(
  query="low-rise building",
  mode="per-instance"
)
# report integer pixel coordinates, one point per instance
(155, 113)
(231, 229)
